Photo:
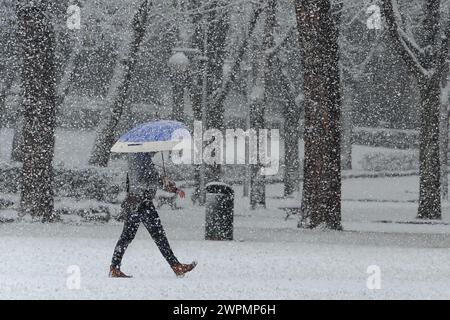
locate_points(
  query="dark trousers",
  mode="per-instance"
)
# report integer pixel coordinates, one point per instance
(146, 213)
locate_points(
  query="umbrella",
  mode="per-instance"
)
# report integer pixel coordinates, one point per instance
(153, 137)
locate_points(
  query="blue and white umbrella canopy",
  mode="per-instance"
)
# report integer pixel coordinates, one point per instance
(153, 137)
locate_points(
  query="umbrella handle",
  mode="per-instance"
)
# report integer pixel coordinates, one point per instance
(164, 167)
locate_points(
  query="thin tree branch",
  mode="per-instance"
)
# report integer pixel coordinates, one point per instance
(390, 11)
(443, 62)
(220, 95)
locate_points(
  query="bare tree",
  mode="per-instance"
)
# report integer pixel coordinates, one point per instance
(427, 63)
(218, 26)
(319, 33)
(260, 95)
(119, 89)
(200, 40)
(36, 38)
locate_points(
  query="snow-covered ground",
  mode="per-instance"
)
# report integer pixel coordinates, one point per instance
(270, 257)
(312, 265)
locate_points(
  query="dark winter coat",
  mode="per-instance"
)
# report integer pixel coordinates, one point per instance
(144, 179)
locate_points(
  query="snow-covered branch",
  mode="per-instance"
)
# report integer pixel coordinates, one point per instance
(392, 14)
(221, 94)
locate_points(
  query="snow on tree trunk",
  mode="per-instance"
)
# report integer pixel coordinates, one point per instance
(36, 38)
(119, 89)
(319, 33)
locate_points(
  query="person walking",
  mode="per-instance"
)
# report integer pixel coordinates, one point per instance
(143, 180)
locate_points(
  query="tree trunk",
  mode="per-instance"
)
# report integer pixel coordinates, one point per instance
(291, 138)
(430, 94)
(220, 95)
(261, 100)
(196, 90)
(5, 88)
(347, 137)
(119, 90)
(17, 143)
(347, 125)
(257, 180)
(444, 141)
(430, 183)
(444, 132)
(218, 22)
(36, 38)
(69, 69)
(292, 157)
(428, 67)
(10, 63)
(178, 81)
(319, 33)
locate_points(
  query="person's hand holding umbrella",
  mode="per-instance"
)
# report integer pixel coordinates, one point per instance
(171, 187)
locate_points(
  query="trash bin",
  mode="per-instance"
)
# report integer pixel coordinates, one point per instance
(219, 211)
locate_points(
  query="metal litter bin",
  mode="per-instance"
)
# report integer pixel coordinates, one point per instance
(219, 211)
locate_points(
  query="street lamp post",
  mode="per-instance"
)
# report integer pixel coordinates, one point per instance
(180, 66)
(186, 63)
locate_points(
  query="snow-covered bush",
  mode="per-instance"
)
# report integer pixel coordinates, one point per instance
(10, 178)
(388, 138)
(6, 203)
(391, 161)
(95, 214)
(86, 183)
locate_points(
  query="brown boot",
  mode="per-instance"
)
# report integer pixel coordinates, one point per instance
(114, 272)
(181, 269)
